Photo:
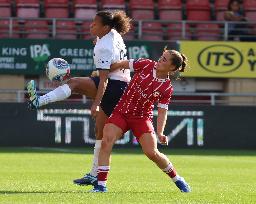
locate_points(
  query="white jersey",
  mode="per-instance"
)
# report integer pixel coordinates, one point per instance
(108, 50)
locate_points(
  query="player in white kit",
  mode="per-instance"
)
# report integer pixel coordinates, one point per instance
(105, 89)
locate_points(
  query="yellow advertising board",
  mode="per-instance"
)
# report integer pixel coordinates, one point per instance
(220, 59)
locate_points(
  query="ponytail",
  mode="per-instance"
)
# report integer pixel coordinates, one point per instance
(179, 60)
(184, 63)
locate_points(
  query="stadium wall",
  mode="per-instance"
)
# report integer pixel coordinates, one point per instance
(70, 124)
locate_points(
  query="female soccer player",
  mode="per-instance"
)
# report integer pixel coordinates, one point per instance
(106, 89)
(150, 84)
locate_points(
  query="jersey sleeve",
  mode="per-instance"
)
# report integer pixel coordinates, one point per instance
(139, 64)
(165, 99)
(104, 59)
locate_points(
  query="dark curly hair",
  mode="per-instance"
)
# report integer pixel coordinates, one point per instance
(117, 20)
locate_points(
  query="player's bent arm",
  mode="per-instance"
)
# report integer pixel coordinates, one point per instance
(161, 120)
(120, 65)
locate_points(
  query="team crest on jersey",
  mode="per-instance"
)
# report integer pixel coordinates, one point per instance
(156, 94)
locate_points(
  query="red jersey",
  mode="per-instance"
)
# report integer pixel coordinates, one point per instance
(144, 91)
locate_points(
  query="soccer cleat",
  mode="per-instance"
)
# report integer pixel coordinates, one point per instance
(99, 189)
(182, 185)
(88, 179)
(33, 102)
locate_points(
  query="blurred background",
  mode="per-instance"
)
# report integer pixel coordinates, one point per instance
(213, 104)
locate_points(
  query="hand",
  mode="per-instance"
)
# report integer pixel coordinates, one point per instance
(94, 109)
(163, 139)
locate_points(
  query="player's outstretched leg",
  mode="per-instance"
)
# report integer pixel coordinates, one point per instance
(81, 85)
(149, 146)
(33, 102)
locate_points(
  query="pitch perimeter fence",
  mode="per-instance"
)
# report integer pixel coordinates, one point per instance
(70, 125)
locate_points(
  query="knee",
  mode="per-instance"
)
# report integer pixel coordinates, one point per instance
(73, 84)
(110, 135)
(152, 154)
(106, 143)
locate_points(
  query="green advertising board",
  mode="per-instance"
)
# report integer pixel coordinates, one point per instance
(30, 56)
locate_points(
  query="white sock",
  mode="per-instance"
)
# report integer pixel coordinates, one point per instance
(95, 158)
(58, 94)
(174, 179)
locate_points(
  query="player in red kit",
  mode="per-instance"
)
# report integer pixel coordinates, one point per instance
(151, 84)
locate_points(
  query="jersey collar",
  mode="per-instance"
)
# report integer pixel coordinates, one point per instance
(157, 79)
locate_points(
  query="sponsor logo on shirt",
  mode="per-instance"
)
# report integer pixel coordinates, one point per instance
(156, 94)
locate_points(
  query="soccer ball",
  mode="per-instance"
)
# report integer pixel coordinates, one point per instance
(58, 69)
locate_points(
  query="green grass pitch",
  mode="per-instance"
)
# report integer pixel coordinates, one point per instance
(33, 175)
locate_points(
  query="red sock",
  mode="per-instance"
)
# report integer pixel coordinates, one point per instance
(103, 175)
(170, 171)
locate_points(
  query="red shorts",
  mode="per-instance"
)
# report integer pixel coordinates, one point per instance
(138, 126)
